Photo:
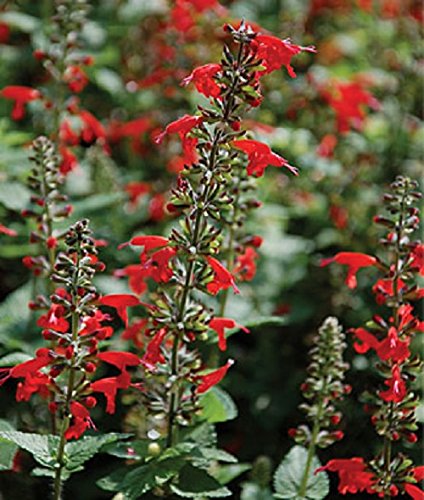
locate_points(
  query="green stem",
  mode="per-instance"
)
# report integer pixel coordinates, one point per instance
(312, 444)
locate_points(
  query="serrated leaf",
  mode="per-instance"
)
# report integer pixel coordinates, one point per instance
(289, 474)
(217, 406)
(141, 479)
(14, 195)
(78, 452)
(203, 435)
(42, 448)
(7, 450)
(193, 482)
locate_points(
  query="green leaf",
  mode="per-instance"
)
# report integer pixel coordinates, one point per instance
(13, 359)
(218, 455)
(42, 448)
(110, 81)
(7, 450)
(193, 482)
(226, 473)
(217, 406)
(289, 474)
(14, 195)
(78, 452)
(142, 479)
(203, 435)
(96, 203)
(14, 312)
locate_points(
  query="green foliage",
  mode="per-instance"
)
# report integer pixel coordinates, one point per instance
(195, 483)
(218, 406)
(289, 474)
(7, 449)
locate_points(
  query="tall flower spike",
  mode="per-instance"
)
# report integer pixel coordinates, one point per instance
(323, 387)
(393, 404)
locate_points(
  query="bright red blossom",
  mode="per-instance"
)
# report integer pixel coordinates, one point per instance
(182, 127)
(21, 95)
(153, 354)
(354, 260)
(219, 325)
(260, 156)
(222, 278)
(203, 79)
(275, 53)
(120, 302)
(245, 266)
(353, 476)
(8, 232)
(397, 387)
(213, 378)
(391, 348)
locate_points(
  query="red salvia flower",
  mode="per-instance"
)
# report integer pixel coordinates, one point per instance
(353, 476)
(222, 279)
(136, 273)
(53, 319)
(182, 127)
(120, 302)
(391, 348)
(354, 260)
(135, 190)
(119, 359)
(397, 387)
(213, 378)
(245, 266)
(80, 420)
(135, 332)
(149, 242)
(203, 79)
(275, 53)
(219, 325)
(109, 387)
(156, 208)
(76, 79)
(260, 156)
(158, 264)
(92, 129)
(21, 95)
(69, 160)
(153, 353)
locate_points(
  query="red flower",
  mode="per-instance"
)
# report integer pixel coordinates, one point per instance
(4, 32)
(417, 255)
(275, 53)
(390, 348)
(120, 302)
(54, 319)
(339, 216)
(69, 160)
(353, 476)
(92, 325)
(137, 273)
(156, 207)
(134, 332)
(222, 279)
(7, 231)
(203, 80)
(153, 354)
(149, 242)
(92, 129)
(80, 421)
(109, 387)
(76, 78)
(414, 491)
(245, 266)
(354, 260)
(213, 378)
(348, 101)
(397, 387)
(182, 127)
(260, 156)
(21, 95)
(219, 325)
(33, 383)
(383, 288)
(119, 359)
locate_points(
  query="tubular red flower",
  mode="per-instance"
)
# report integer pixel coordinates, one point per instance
(354, 260)
(275, 53)
(109, 387)
(219, 325)
(222, 278)
(120, 302)
(119, 359)
(153, 353)
(203, 80)
(397, 387)
(21, 95)
(353, 476)
(213, 378)
(245, 266)
(182, 127)
(54, 320)
(80, 421)
(260, 156)
(9, 232)
(76, 79)
(390, 348)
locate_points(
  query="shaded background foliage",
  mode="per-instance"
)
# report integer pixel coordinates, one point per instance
(141, 54)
